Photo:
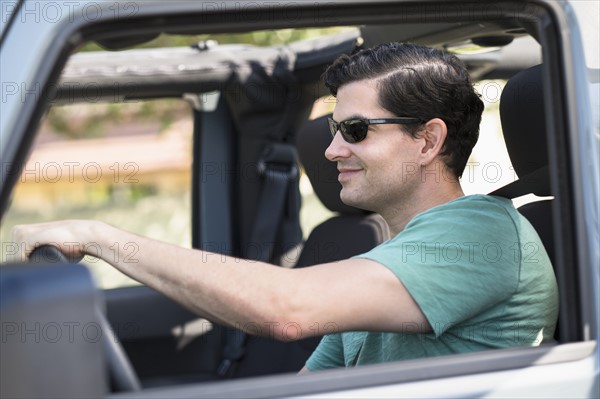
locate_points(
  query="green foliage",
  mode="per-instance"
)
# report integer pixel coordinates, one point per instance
(85, 120)
(257, 38)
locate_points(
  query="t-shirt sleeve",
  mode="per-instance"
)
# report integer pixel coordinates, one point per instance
(329, 354)
(456, 262)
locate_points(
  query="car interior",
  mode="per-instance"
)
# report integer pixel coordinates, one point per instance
(251, 108)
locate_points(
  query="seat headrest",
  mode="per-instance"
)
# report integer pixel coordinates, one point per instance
(523, 121)
(524, 128)
(313, 138)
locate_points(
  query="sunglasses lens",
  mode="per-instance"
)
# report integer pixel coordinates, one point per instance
(354, 130)
(333, 127)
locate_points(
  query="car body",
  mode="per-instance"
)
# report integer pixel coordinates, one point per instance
(242, 100)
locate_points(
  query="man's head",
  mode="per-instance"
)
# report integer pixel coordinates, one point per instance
(418, 82)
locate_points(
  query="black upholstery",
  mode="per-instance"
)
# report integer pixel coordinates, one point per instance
(524, 127)
(523, 121)
(539, 214)
(351, 232)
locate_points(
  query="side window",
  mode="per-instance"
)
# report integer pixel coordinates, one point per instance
(489, 166)
(126, 164)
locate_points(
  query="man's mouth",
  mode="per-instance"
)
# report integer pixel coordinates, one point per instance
(347, 173)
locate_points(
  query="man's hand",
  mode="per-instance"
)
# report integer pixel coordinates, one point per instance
(71, 237)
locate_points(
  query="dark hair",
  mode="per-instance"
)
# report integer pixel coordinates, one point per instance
(419, 82)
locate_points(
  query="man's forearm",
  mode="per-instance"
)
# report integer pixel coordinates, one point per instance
(202, 281)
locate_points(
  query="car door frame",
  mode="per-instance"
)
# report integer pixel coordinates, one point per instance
(534, 369)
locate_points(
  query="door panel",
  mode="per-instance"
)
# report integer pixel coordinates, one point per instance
(166, 343)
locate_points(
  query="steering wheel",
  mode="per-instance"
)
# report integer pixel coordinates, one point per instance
(123, 376)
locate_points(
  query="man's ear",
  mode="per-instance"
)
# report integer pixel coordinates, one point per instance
(434, 136)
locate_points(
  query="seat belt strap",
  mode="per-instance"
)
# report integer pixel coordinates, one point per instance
(235, 342)
(278, 167)
(536, 182)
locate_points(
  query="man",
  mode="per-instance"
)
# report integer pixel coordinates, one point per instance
(406, 120)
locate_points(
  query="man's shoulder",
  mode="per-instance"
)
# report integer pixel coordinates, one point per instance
(472, 225)
(467, 212)
(475, 203)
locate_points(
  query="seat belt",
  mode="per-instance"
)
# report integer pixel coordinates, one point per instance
(278, 167)
(536, 182)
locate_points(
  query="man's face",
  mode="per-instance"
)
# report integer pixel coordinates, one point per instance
(380, 172)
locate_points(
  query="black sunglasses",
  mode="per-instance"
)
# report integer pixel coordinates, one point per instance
(355, 130)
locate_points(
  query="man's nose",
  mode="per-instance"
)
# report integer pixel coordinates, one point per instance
(338, 148)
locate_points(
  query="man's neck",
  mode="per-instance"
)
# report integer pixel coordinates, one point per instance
(427, 197)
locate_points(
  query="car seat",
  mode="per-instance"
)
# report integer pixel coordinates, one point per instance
(350, 232)
(524, 127)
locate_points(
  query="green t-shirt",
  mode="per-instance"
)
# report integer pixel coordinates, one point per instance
(481, 276)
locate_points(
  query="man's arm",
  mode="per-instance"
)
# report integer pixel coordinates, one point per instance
(286, 304)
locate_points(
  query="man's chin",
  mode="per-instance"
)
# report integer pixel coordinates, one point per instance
(353, 201)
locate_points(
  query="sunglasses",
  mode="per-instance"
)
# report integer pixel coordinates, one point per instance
(355, 130)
